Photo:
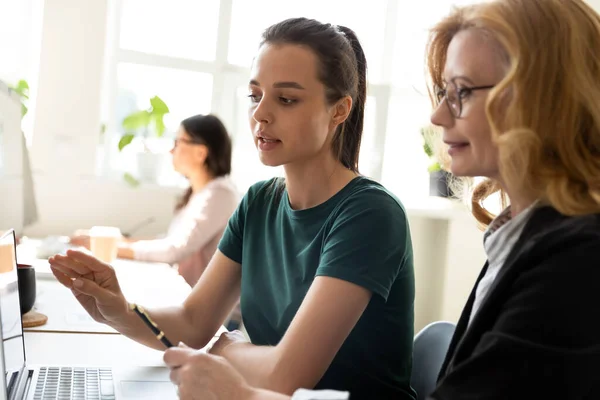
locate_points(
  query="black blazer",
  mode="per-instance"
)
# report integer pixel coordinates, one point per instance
(537, 334)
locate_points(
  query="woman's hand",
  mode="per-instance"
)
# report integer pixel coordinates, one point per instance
(93, 283)
(202, 376)
(225, 340)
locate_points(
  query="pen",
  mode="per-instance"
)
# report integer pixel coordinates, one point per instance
(152, 325)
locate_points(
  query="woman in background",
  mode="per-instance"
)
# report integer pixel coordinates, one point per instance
(202, 153)
(517, 97)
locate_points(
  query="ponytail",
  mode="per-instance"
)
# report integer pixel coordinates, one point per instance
(347, 142)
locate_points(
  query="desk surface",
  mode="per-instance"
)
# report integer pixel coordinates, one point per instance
(149, 284)
(88, 349)
(91, 349)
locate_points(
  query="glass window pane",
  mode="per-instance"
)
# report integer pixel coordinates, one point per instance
(176, 28)
(369, 154)
(415, 19)
(186, 93)
(405, 162)
(367, 22)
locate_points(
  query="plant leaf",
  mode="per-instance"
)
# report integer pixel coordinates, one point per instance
(130, 179)
(427, 149)
(159, 124)
(434, 167)
(22, 85)
(24, 110)
(158, 106)
(136, 120)
(125, 140)
(22, 89)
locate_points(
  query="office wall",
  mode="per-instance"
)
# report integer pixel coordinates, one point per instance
(66, 129)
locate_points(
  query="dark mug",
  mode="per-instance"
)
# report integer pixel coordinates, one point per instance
(27, 289)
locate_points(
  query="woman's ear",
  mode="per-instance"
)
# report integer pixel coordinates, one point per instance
(201, 153)
(341, 110)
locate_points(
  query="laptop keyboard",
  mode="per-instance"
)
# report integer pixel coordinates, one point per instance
(65, 383)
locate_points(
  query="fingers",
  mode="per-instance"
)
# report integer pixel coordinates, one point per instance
(88, 260)
(175, 376)
(79, 285)
(64, 279)
(175, 357)
(88, 287)
(77, 263)
(68, 266)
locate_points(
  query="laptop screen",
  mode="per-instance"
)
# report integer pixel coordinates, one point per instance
(13, 347)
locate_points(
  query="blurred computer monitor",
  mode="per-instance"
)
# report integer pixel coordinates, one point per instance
(17, 197)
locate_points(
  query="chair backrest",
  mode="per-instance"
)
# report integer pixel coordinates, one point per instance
(429, 350)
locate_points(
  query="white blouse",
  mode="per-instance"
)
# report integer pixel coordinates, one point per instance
(498, 241)
(195, 230)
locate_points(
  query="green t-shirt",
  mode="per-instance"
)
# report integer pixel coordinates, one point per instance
(360, 235)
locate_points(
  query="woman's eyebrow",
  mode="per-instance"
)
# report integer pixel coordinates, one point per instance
(280, 85)
(462, 78)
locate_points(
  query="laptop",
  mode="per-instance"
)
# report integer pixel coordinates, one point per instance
(21, 381)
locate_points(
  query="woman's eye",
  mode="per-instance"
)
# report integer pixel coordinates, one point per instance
(286, 101)
(463, 93)
(441, 93)
(254, 98)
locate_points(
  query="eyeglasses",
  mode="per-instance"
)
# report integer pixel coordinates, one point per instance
(454, 96)
(176, 141)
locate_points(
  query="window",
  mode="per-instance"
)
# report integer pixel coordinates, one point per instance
(197, 55)
(412, 29)
(404, 169)
(186, 93)
(250, 18)
(370, 156)
(20, 41)
(177, 28)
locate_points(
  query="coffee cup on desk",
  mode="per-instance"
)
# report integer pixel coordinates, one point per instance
(104, 242)
(27, 287)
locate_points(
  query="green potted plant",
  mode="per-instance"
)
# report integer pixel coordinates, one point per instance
(439, 178)
(145, 124)
(22, 89)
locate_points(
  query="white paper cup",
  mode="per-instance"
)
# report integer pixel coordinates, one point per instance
(104, 242)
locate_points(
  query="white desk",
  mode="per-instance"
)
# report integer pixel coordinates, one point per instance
(91, 349)
(149, 284)
(88, 349)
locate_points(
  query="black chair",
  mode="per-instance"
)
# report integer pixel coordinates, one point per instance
(429, 349)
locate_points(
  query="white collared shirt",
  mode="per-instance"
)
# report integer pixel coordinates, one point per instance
(498, 241)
